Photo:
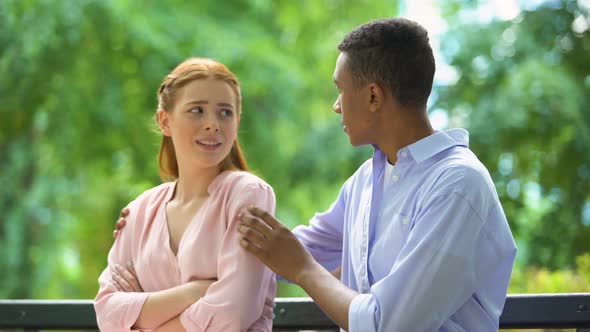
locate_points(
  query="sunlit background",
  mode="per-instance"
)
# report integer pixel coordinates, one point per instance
(78, 82)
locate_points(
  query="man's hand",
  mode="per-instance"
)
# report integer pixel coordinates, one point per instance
(274, 244)
(125, 278)
(337, 272)
(121, 222)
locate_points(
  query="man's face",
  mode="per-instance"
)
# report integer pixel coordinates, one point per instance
(353, 104)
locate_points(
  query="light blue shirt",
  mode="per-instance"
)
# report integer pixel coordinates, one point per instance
(430, 251)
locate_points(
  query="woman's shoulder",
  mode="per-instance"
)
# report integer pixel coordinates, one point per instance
(242, 180)
(239, 189)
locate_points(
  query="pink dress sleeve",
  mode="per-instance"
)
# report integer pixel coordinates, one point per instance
(239, 300)
(117, 311)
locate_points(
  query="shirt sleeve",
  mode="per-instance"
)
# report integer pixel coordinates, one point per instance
(447, 254)
(240, 297)
(323, 237)
(117, 311)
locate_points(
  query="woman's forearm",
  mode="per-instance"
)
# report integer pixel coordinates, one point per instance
(172, 325)
(162, 306)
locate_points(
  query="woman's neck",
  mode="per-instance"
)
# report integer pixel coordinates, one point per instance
(194, 183)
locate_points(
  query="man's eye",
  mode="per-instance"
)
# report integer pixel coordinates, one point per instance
(196, 110)
(227, 112)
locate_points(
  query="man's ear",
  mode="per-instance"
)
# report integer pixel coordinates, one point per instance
(164, 122)
(376, 97)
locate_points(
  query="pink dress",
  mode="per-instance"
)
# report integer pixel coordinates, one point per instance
(240, 300)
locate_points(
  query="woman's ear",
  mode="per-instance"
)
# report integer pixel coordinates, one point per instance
(376, 97)
(164, 122)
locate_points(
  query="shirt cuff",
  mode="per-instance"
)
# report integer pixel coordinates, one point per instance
(188, 324)
(135, 306)
(361, 313)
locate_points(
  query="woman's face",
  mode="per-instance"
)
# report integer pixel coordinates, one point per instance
(203, 124)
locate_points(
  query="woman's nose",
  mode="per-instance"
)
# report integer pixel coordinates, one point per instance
(212, 124)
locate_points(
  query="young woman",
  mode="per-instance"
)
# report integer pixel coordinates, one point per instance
(178, 264)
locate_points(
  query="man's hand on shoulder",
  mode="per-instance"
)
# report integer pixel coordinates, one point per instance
(274, 244)
(121, 222)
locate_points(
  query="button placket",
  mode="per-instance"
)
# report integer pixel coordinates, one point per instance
(364, 247)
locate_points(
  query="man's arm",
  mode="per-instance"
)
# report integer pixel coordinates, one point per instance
(337, 272)
(331, 295)
(445, 257)
(323, 237)
(277, 247)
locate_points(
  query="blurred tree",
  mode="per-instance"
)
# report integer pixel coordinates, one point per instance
(77, 98)
(523, 91)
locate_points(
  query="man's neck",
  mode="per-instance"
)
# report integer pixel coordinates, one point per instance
(397, 132)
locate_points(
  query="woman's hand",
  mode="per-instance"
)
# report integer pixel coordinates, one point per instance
(125, 278)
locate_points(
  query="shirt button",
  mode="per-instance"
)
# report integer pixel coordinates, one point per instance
(404, 154)
(395, 178)
(405, 221)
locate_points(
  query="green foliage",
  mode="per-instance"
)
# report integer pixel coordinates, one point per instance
(77, 98)
(523, 93)
(543, 280)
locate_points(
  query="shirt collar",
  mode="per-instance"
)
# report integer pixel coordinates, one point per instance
(438, 142)
(433, 144)
(212, 188)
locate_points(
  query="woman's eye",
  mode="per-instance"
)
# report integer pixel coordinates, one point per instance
(227, 112)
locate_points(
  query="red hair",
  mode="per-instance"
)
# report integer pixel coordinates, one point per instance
(190, 70)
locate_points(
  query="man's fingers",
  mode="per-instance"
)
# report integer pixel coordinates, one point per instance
(254, 223)
(251, 233)
(124, 212)
(251, 247)
(115, 234)
(121, 223)
(265, 216)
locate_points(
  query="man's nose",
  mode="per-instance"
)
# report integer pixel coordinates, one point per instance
(337, 106)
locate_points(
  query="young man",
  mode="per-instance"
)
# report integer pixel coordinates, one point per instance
(418, 230)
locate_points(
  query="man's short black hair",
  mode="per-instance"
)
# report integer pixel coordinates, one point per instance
(393, 52)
